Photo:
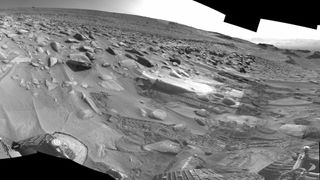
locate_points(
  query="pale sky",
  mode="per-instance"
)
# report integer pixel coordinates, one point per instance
(186, 12)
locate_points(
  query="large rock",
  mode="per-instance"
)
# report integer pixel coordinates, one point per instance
(293, 129)
(165, 146)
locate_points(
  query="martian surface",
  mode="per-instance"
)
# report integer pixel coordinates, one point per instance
(152, 99)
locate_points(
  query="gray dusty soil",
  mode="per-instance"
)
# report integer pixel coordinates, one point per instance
(154, 99)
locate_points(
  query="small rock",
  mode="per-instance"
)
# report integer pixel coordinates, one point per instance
(106, 64)
(143, 112)
(71, 40)
(35, 81)
(84, 85)
(173, 73)
(79, 37)
(68, 33)
(115, 45)
(228, 102)
(22, 31)
(50, 85)
(129, 56)
(204, 98)
(34, 64)
(70, 83)
(52, 61)
(105, 77)
(40, 50)
(179, 127)
(90, 56)
(158, 114)
(110, 51)
(86, 49)
(145, 62)
(79, 57)
(4, 46)
(175, 60)
(91, 36)
(78, 65)
(134, 51)
(2, 56)
(55, 46)
(123, 44)
(175, 64)
(15, 77)
(183, 73)
(202, 112)
(201, 122)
